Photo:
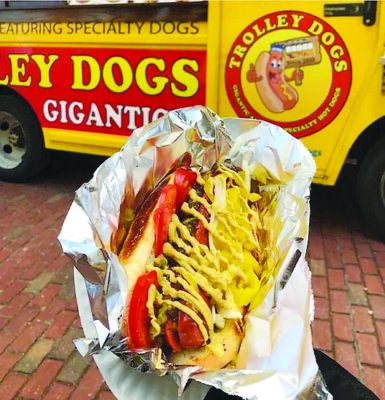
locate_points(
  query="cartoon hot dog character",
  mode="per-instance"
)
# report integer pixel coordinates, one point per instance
(196, 262)
(268, 73)
(272, 85)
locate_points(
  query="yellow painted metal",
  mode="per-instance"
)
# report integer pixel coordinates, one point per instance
(213, 80)
(177, 35)
(365, 103)
(226, 20)
(138, 33)
(83, 142)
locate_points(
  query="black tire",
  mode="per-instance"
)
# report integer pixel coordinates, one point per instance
(371, 188)
(22, 152)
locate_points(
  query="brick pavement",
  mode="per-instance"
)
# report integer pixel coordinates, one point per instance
(38, 313)
(348, 273)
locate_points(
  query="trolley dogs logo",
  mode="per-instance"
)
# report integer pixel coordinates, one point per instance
(289, 68)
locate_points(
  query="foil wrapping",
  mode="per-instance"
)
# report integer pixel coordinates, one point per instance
(277, 348)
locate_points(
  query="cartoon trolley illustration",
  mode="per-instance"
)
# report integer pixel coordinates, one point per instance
(268, 73)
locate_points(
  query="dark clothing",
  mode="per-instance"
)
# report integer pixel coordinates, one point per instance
(341, 383)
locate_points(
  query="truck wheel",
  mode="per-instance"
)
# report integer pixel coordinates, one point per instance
(22, 152)
(371, 188)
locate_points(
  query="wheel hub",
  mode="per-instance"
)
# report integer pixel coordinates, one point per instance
(16, 136)
(12, 141)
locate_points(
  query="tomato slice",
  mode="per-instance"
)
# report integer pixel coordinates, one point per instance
(167, 198)
(172, 336)
(190, 335)
(171, 198)
(201, 234)
(184, 181)
(138, 314)
(162, 219)
(162, 216)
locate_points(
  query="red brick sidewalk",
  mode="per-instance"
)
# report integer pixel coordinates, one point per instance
(348, 267)
(38, 314)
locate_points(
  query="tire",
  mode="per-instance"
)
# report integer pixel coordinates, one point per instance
(371, 188)
(22, 152)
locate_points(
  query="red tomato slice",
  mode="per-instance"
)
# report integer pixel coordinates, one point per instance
(167, 198)
(162, 219)
(201, 234)
(162, 216)
(190, 335)
(184, 181)
(138, 313)
(172, 336)
(171, 198)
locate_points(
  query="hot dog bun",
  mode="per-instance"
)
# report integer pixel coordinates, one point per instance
(137, 249)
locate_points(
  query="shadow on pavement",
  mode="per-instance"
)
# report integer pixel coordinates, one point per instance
(66, 167)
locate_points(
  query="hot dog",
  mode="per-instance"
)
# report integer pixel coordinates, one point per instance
(192, 258)
(272, 86)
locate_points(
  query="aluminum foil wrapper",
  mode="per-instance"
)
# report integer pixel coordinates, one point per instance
(277, 348)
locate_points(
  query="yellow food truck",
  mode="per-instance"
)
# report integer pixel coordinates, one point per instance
(82, 75)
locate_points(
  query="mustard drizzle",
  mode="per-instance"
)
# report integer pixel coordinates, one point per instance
(204, 267)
